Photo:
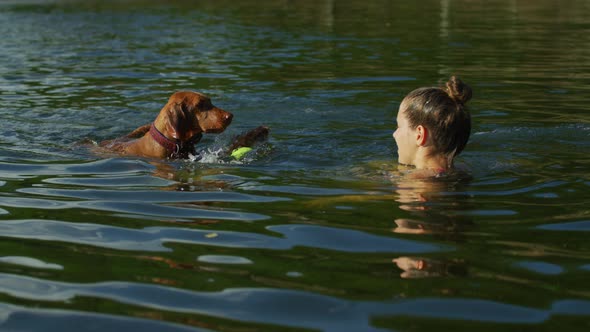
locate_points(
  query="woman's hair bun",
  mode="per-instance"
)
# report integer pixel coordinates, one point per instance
(458, 91)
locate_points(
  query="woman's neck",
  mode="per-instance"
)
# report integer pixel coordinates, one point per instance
(438, 163)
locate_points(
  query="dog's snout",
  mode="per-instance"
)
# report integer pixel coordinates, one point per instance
(215, 120)
(228, 117)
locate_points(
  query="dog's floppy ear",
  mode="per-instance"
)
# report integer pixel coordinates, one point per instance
(182, 124)
(178, 122)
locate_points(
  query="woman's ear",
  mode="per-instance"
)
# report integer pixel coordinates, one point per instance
(421, 135)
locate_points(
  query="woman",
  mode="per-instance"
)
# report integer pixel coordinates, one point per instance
(433, 126)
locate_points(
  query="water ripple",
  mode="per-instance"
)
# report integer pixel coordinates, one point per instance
(223, 259)
(350, 240)
(113, 181)
(152, 196)
(153, 238)
(133, 208)
(275, 306)
(515, 191)
(30, 262)
(175, 212)
(583, 226)
(105, 166)
(147, 239)
(541, 267)
(16, 318)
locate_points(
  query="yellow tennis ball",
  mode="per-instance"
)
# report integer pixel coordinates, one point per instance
(240, 152)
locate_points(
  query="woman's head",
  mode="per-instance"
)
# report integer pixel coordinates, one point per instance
(434, 122)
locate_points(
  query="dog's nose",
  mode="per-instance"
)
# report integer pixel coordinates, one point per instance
(227, 117)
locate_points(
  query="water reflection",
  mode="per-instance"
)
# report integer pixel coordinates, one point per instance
(433, 207)
(418, 267)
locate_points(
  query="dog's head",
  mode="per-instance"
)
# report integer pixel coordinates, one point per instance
(188, 114)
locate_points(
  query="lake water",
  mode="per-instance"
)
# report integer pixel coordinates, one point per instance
(316, 229)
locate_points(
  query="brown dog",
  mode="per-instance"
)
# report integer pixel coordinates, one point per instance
(175, 131)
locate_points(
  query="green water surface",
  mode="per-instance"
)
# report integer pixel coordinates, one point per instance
(317, 229)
